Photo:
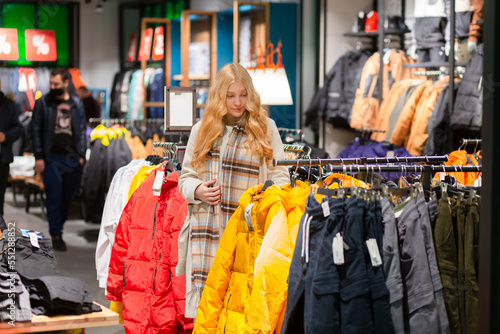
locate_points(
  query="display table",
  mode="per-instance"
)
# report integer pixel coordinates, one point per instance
(42, 323)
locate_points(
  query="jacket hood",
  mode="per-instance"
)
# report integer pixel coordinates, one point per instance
(263, 200)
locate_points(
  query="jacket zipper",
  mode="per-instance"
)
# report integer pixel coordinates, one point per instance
(154, 222)
(154, 277)
(227, 311)
(124, 266)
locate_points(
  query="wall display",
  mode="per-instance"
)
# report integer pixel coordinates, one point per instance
(145, 46)
(180, 108)
(158, 44)
(132, 47)
(9, 49)
(40, 45)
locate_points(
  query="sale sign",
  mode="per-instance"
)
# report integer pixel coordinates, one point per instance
(158, 44)
(8, 44)
(40, 45)
(145, 46)
(132, 47)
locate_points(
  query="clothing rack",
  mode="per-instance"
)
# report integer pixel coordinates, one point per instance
(306, 150)
(292, 131)
(109, 121)
(459, 71)
(367, 133)
(341, 161)
(466, 142)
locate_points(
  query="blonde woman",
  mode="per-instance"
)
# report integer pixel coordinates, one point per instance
(229, 151)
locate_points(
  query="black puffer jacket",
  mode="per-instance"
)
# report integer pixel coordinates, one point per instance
(43, 125)
(336, 97)
(468, 109)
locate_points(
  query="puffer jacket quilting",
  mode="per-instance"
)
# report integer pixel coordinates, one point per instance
(143, 260)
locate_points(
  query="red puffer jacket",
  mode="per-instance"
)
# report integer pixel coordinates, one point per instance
(143, 260)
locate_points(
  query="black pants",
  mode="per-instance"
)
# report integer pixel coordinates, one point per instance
(4, 176)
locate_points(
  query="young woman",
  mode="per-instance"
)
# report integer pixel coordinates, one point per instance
(229, 151)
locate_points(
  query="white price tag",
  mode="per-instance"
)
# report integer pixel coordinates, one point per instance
(326, 208)
(34, 239)
(338, 249)
(374, 252)
(158, 183)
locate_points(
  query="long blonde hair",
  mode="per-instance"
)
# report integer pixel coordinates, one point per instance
(212, 121)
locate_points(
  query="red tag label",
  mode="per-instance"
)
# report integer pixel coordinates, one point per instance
(132, 47)
(40, 45)
(145, 47)
(158, 44)
(9, 49)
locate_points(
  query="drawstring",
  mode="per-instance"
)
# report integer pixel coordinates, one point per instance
(305, 238)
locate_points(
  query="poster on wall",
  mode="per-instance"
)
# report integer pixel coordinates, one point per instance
(132, 47)
(145, 46)
(40, 45)
(9, 49)
(158, 44)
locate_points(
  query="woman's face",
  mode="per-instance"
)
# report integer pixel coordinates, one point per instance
(236, 99)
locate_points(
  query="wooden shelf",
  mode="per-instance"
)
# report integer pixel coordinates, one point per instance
(42, 323)
(180, 77)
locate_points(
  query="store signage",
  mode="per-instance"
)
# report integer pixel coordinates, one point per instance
(158, 44)
(132, 47)
(40, 45)
(145, 46)
(9, 49)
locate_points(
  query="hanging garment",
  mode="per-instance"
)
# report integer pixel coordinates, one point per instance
(429, 30)
(143, 259)
(461, 158)
(136, 96)
(76, 77)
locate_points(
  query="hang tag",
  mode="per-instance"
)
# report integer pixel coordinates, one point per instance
(374, 252)
(338, 249)
(34, 239)
(326, 208)
(248, 216)
(158, 182)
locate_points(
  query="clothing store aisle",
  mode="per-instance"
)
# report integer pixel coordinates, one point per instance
(81, 240)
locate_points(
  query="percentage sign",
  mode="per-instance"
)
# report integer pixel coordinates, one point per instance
(5, 46)
(41, 47)
(159, 45)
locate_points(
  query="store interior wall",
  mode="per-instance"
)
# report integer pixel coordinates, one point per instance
(340, 17)
(99, 59)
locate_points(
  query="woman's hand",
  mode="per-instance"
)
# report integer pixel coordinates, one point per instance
(205, 192)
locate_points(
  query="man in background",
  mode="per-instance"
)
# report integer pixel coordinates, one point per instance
(90, 105)
(58, 140)
(10, 130)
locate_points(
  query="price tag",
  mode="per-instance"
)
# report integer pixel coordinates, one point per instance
(158, 183)
(374, 252)
(326, 208)
(34, 240)
(338, 249)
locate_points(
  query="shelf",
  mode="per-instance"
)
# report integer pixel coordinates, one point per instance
(374, 34)
(179, 77)
(430, 65)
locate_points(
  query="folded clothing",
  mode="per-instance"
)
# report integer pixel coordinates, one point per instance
(14, 299)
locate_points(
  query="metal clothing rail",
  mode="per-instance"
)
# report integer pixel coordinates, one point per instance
(405, 168)
(338, 161)
(169, 146)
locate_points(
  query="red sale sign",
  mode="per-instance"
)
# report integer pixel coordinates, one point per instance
(145, 46)
(158, 44)
(132, 47)
(40, 45)
(9, 49)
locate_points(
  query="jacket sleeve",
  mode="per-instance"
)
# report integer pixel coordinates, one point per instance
(475, 29)
(278, 174)
(16, 129)
(271, 274)
(37, 129)
(189, 179)
(81, 124)
(215, 289)
(116, 271)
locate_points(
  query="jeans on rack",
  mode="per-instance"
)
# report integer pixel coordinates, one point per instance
(471, 258)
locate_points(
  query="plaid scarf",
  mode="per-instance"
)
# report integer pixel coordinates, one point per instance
(239, 172)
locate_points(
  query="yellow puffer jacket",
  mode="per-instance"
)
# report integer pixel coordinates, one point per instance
(225, 304)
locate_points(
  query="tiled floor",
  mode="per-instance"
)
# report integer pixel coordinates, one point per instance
(81, 239)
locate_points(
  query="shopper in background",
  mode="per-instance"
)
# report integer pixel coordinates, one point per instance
(90, 105)
(59, 143)
(10, 130)
(229, 151)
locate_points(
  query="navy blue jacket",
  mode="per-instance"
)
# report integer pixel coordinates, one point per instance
(43, 125)
(10, 126)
